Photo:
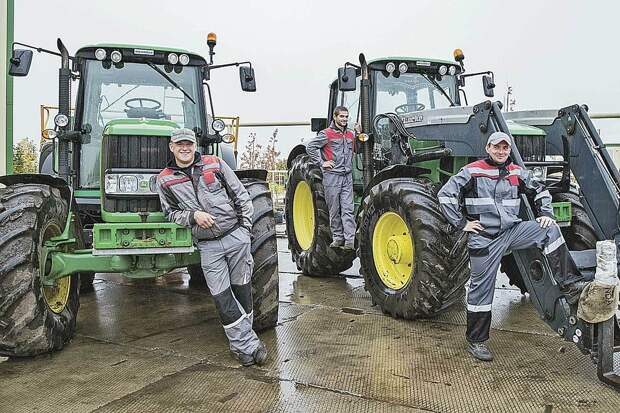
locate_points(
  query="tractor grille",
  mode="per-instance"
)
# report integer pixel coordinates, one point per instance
(531, 148)
(134, 152)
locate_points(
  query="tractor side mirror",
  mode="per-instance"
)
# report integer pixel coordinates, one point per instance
(488, 85)
(346, 79)
(248, 82)
(318, 124)
(20, 62)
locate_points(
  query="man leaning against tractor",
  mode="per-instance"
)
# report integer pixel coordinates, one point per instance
(333, 149)
(203, 193)
(483, 199)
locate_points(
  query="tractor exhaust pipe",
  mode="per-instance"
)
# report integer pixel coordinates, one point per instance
(365, 115)
(64, 107)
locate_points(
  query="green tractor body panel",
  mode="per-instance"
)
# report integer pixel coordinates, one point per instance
(140, 236)
(142, 127)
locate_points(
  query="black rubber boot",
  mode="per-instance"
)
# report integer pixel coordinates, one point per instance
(480, 351)
(260, 354)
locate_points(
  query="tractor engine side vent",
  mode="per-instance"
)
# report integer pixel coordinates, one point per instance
(134, 152)
(531, 147)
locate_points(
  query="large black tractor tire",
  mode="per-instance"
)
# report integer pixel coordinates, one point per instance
(265, 281)
(579, 236)
(401, 215)
(265, 278)
(33, 319)
(307, 222)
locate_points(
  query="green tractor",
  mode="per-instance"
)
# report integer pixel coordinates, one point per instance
(93, 206)
(418, 131)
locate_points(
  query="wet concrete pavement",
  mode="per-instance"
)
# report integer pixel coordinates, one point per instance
(158, 346)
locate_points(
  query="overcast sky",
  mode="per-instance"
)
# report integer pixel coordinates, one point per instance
(553, 53)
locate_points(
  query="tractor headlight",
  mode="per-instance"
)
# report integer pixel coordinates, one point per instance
(173, 58)
(402, 68)
(184, 59)
(452, 70)
(61, 120)
(538, 172)
(130, 184)
(100, 54)
(443, 70)
(390, 67)
(116, 56)
(218, 125)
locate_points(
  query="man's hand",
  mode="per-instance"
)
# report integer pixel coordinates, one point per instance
(204, 219)
(357, 128)
(473, 226)
(328, 164)
(545, 221)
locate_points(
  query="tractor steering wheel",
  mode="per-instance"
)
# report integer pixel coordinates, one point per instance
(156, 104)
(404, 107)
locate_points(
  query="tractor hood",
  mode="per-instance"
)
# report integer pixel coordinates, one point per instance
(142, 126)
(460, 115)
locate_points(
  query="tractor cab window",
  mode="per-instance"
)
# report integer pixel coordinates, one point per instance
(411, 92)
(133, 91)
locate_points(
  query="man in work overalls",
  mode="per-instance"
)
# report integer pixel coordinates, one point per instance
(483, 199)
(203, 193)
(333, 149)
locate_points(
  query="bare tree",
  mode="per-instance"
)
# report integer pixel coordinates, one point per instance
(250, 158)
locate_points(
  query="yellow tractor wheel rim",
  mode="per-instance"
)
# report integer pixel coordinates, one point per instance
(393, 251)
(57, 296)
(303, 215)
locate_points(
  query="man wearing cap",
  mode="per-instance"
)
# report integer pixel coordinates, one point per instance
(203, 193)
(483, 199)
(333, 150)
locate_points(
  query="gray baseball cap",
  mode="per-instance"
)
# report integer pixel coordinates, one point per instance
(183, 134)
(497, 137)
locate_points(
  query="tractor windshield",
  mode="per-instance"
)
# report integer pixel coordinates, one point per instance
(412, 92)
(133, 91)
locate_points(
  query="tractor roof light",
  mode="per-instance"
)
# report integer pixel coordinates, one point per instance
(116, 56)
(173, 58)
(211, 39)
(452, 70)
(458, 55)
(390, 67)
(403, 67)
(443, 70)
(61, 120)
(100, 54)
(184, 59)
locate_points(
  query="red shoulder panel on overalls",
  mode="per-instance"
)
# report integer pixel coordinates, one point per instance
(208, 171)
(169, 172)
(514, 179)
(484, 170)
(331, 136)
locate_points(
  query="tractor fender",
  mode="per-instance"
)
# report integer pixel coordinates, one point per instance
(297, 150)
(252, 173)
(395, 171)
(65, 190)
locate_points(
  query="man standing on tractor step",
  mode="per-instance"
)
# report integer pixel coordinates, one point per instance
(333, 149)
(483, 199)
(203, 193)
